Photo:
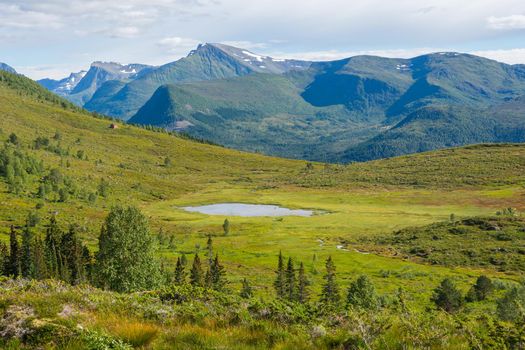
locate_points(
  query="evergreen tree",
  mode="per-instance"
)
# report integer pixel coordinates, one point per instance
(183, 260)
(447, 297)
(362, 294)
(246, 290)
(209, 251)
(126, 258)
(52, 249)
(87, 262)
(179, 277)
(280, 283)
(330, 293)
(290, 280)
(13, 139)
(14, 266)
(217, 273)
(208, 278)
(481, 289)
(27, 258)
(39, 259)
(303, 292)
(73, 253)
(196, 274)
(226, 227)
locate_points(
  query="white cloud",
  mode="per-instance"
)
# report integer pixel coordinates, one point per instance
(511, 56)
(507, 23)
(246, 44)
(15, 17)
(124, 32)
(331, 55)
(177, 45)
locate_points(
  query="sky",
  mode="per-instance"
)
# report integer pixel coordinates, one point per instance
(51, 38)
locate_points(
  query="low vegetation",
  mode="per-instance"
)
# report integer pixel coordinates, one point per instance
(496, 242)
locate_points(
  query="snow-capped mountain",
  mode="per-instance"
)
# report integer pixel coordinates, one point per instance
(80, 87)
(259, 63)
(64, 86)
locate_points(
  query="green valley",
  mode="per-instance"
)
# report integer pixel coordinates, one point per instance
(83, 165)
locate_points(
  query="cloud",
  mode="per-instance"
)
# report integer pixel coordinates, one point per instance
(331, 55)
(124, 32)
(15, 17)
(507, 23)
(246, 44)
(511, 56)
(177, 45)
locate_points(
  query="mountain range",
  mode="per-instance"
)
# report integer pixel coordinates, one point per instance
(355, 109)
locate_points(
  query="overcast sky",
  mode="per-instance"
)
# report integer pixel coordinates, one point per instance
(50, 38)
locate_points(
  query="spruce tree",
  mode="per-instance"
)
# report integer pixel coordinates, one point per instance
(279, 284)
(226, 227)
(14, 266)
(126, 259)
(303, 292)
(52, 249)
(196, 274)
(217, 275)
(27, 258)
(290, 280)
(179, 277)
(330, 293)
(39, 259)
(208, 278)
(209, 251)
(87, 262)
(246, 290)
(73, 251)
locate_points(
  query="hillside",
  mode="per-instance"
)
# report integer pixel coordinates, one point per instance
(72, 166)
(7, 68)
(356, 109)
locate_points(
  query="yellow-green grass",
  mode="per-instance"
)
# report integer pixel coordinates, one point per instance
(360, 199)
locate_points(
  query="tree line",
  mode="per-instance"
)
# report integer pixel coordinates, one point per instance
(126, 259)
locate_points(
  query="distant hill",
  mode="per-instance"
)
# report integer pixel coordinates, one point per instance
(7, 68)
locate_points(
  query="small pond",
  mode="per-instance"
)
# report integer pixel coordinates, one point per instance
(241, 209)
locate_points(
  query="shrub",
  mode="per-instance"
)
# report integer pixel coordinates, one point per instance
(362, 294)
(447, 297)
(481, 289)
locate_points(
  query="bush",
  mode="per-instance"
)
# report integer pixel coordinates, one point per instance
(362, 294)
(447, 297)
